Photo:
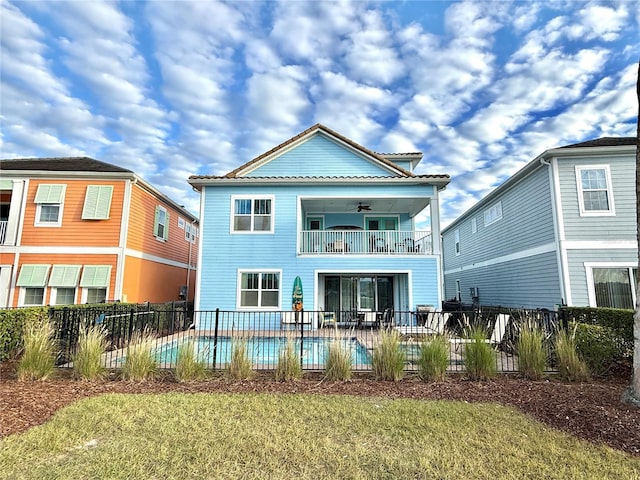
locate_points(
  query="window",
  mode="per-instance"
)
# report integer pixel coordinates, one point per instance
(614, 287)
(97, 202)
(94, 283)
(181, 223)
(594, 190)
(190, 233)
(64, 280)
(259, 290)
(493, 214)
(49, 200)
(458, 291)
(474, 225)
(252, 215)
(456, 234)
(161, 223)
(32, 280)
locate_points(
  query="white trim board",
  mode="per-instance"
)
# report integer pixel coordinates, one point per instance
(530, 252)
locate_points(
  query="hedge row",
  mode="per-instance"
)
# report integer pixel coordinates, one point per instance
(11, 326)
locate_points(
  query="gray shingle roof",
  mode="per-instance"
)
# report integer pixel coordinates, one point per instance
(61, 164)
(604, 142)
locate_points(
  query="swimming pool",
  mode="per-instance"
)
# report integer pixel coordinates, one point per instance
(264, 351)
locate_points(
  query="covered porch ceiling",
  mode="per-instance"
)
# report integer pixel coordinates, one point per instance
(377, 205)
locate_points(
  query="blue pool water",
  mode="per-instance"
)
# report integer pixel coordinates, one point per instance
(264, 351)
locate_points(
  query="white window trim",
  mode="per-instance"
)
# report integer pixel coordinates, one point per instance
(85, 292)
(239, 307)
(181, 223)
(165, 225)
(54, 294)
(232, 230)
(474, 225)
(190, 232)
(595, 213)
(498, 209)
(38, 223)
(458, 290)
(591, 288)
(21, 296)
(456, 241)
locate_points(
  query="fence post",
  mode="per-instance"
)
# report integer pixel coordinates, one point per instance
(301, 337)
(215, 338)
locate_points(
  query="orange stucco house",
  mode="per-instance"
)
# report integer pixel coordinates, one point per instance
(78, 230)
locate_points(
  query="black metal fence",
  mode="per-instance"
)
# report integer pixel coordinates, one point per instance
(265, 334)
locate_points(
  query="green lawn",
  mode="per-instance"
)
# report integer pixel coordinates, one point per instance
(198, 436)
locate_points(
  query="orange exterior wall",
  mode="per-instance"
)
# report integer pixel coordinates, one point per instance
(64, 259)
(155, 282)
(74, 231)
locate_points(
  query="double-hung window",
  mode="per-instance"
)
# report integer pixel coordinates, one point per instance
(456, 235)
(95, 283)
(161, 223)
(259, 290)
(32, 281)
(63, 283)
(493, 213)
(252, 214)
(97, 202)
(49, 200)
(595, 197)
(613, 286)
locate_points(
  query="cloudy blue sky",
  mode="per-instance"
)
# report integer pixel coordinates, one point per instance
(174, 88)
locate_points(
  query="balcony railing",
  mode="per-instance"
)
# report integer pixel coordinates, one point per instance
(360, 242)
(3, 231)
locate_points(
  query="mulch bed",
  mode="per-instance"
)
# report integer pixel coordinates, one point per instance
(591, 411)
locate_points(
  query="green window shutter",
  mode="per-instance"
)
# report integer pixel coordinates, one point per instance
(166, 227)
(33, 276)
(64, 276)
(97, 202)
(155, 221)
(50, 193)
(95, 276)
(6, 184)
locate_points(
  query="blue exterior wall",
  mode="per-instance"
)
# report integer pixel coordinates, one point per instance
(319, 156)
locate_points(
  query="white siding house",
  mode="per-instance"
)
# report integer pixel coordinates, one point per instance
(325, 209)
(561, 230)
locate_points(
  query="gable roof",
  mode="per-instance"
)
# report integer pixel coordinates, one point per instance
(318, 127)
(604, 142)
(60, 164)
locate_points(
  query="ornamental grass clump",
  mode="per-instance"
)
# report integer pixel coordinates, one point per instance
(288, 367)
(434, 359)
(87, 360)
(240, 367)
(140, 364)
(338, 362)
(388, 358)
(532, 357)
(190, 365)
(39, 350)
(570, 366)
(479, 356)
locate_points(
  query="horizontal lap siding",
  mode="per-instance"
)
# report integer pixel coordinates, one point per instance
(140, 235)
(622, 226)
(147, 281)
(577, 270)
(531, 282)
(527, 222)
(319, 156)
(74, 230)
(65, 259)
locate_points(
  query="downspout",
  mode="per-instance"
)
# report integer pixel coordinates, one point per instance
(558, 230)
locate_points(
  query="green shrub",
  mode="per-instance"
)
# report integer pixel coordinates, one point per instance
(39, 351)
(434, 359)
(479, 357)
(532, 357)
(570, 366)
(87, 360)
(618, 319)
(140, 365)
(189, 364)
(240, 366)
(12, 326)
(598, 346)
(288, 367)
(388, 358)
(338, 363)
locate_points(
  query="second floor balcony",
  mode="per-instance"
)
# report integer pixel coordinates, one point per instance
(361, 242)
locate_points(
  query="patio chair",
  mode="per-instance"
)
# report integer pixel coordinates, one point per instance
(327, 319)
(497, 334)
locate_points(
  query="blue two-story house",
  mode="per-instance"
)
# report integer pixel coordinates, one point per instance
(323, 208)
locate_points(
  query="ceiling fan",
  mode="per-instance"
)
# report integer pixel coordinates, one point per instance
(362, 206)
